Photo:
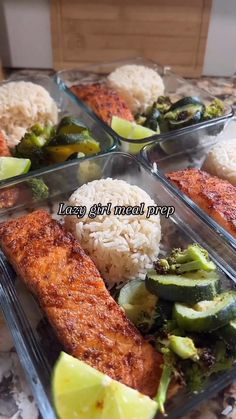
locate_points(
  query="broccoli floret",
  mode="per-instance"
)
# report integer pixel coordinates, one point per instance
(167, 372)
(214, 109)
(193, 258)
(32, 144)
(163, 104)
(152, 119)
(39, 189)
(145, 322)
(194, 376)
(184, 347)
(211, 361)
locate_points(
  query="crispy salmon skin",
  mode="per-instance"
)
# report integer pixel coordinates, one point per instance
(104, 101)
(215, 196)
(88, 322)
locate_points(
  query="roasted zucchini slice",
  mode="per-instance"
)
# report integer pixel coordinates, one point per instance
(206, 315)
(189, 288)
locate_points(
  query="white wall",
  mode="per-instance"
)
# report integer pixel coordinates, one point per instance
(27, 42)
(220, 56)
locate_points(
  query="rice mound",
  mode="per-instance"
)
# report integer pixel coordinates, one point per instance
(22, 104)
(139, 86)
(122, 247)
(221, 160)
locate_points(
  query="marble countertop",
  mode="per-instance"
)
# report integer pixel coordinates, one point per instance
(16, 400)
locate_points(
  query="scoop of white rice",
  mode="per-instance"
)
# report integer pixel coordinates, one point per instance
(22, 104)
(139, 86)
(123, 247)
(221, 160)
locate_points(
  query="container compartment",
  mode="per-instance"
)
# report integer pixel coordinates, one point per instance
(67, 105)
(175, 87)
(193, 156)
(34, 341)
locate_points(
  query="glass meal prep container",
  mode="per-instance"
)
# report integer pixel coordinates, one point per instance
(175, 87)
(161, 161)
(68, 106)
(35, 341)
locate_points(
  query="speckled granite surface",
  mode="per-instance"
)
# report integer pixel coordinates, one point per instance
(16, 401)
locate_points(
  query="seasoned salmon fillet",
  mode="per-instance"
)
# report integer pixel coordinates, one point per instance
(87, 320)
(215, 196)
(8, 197)
(4, 149)
(104, 101)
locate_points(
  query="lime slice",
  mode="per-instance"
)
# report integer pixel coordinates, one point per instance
(131, 131)
(11, 166)
(121, 126)
(81, 392)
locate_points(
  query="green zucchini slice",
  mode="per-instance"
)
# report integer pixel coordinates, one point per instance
(228, 333)
(70, 125)
(189, 288)
(136, 300)
(206, 315)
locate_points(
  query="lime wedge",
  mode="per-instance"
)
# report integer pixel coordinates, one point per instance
(11, 166)
(81, 392)
(121, 126)
(131, 131)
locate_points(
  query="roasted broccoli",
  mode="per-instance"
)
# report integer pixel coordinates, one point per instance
(32, 144)
(154, 320)
(163, 104)
(214, 110)
(167, 372)
(39, 189)
(193, 258)
(211, 361)
(152, 119)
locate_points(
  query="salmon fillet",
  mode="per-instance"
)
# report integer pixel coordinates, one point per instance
(88, 322)
(215, 196)
(104, 101)
(8, 197)
(4, 149)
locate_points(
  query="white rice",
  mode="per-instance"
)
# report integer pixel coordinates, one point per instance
(140, 86)
(22, 104)
(123, 247)
(221, 160)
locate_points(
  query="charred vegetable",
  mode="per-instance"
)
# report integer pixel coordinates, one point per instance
(193, 258)
(152, 119)
(186, 111)
(32, 145)
(70, 125)
(163, 104)
(214, 110)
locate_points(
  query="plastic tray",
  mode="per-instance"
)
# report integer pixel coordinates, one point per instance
(67, 105)
(161, 162)
(175, 86)
(34, 340)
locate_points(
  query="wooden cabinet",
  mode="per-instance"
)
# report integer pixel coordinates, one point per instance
(171, 32)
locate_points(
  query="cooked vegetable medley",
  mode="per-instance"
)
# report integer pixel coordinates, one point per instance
(48, 144)
(138, 95)
(182, 307)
